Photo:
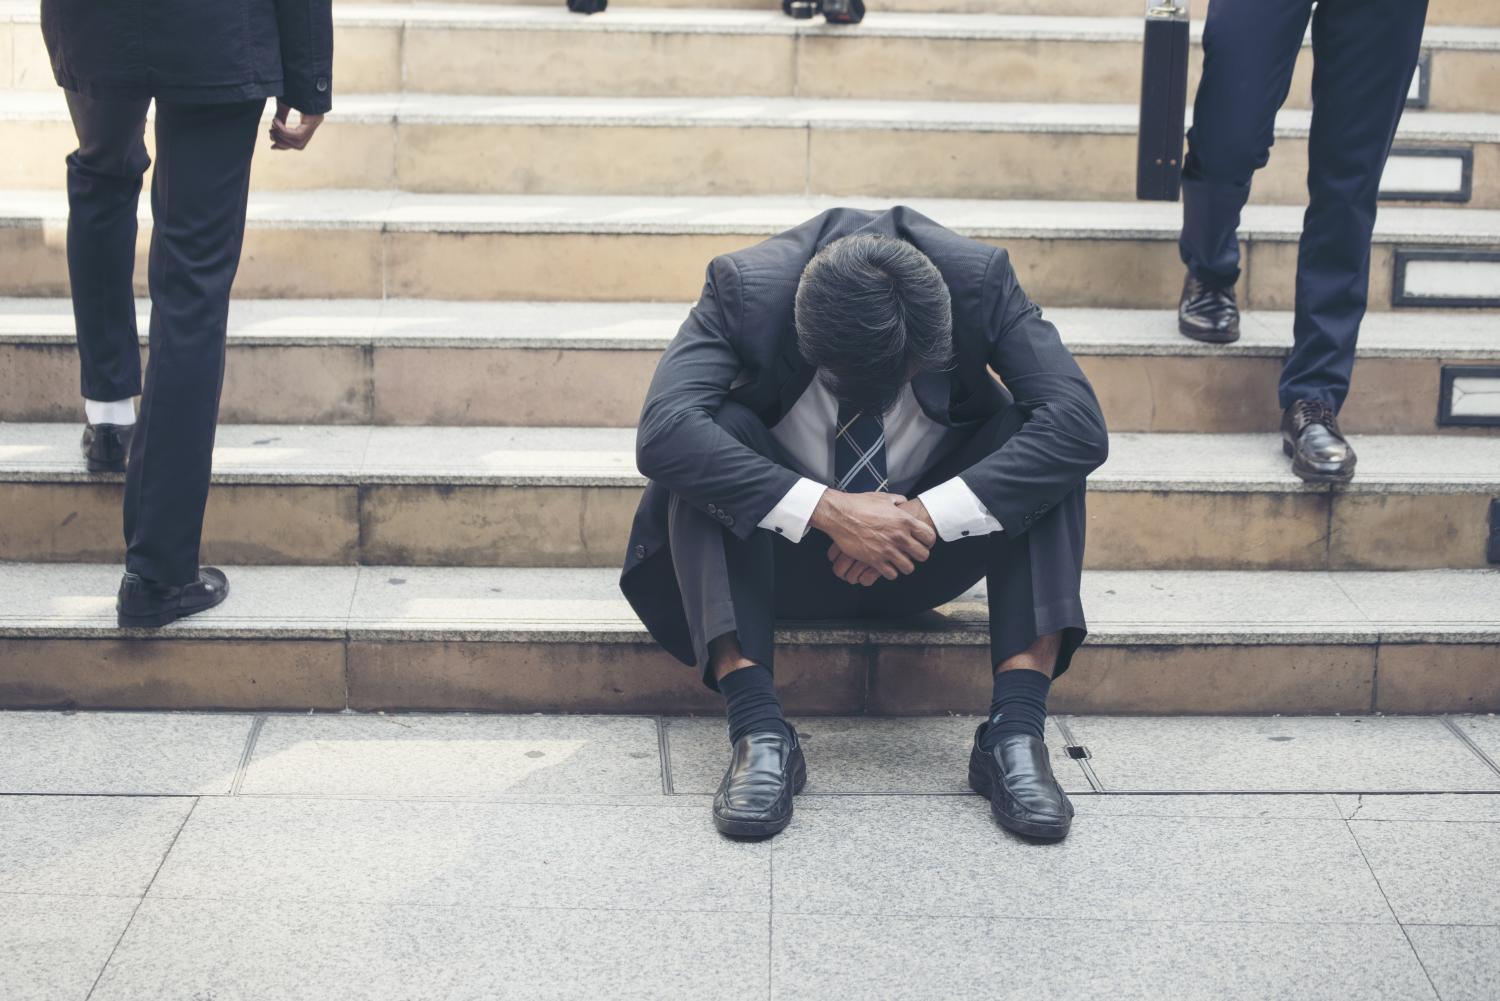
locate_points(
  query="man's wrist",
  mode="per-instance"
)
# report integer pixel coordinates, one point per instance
(823, 512)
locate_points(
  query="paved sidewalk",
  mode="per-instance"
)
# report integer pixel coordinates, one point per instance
(268, 857)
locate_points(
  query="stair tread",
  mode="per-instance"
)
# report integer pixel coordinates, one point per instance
(580, 457)
(741, 112)
(649, 326)
(584, 605)
(404, 211)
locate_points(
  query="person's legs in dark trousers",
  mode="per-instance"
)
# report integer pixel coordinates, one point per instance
(104, 186)
(1364, 54)
(1249, 51)
(198, 200)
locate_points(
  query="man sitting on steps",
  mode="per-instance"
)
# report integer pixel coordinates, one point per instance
(824, 439)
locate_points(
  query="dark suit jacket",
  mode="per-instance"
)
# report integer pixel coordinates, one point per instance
(739, 344)
(194, 51)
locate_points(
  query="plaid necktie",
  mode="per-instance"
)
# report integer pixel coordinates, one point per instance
(859, 451)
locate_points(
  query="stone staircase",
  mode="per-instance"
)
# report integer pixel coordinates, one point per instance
(451, 305)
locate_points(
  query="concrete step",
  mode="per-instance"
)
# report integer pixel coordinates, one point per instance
(487, 49)
(422, 362)
(1455, 12)
(767, 146)
(553, 640)
(376, 244)
(565, 497)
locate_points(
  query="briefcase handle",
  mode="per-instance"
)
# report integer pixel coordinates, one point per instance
(1175, 10)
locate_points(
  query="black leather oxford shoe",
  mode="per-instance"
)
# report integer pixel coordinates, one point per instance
(105, 446)
(1208, 314)
(1016, 777)
(145, 604)
(755, 799)
(1310, 435)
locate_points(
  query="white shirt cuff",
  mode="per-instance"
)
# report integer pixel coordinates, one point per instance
(791, 515)
(957, 512)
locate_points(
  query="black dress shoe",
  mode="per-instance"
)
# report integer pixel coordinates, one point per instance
(105, 446)
(1208, 314)
(145, 604)
(755, 798)
(1016, 777)
(1310, 435)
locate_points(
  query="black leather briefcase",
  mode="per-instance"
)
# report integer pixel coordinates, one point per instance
(1164, 67)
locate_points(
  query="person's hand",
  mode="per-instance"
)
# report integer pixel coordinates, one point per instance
(846, 568)
(874, 529)
(284, 136)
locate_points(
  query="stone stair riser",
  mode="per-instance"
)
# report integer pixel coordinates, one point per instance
(567, 159)
(537, 387)
(358, 262)
(337, 672)
(448, 524)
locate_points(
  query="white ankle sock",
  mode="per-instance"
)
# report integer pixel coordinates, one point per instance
(121, 412)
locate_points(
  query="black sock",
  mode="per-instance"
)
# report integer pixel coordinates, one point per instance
(750, 698)
(1018, 705)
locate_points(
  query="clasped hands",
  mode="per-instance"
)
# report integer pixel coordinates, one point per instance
(874, 535)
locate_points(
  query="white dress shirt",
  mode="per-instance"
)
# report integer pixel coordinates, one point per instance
(914, 443)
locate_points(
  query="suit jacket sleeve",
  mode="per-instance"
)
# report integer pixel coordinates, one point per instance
(678, 442)
(1063, 438)
(306, 29)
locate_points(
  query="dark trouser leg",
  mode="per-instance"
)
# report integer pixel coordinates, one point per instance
(198, 198)
(104, 187)
(1364, 52)
(1249, 50)
(1032, 579)
(733, 585)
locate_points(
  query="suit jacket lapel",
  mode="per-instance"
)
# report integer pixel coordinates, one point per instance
(933, 391)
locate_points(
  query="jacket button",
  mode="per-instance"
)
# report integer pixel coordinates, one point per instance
(322, 85)
(729, 520)
(640, 552)
(712, 509)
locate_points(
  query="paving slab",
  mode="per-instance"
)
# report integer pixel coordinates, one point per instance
(821, 956)
(634, 857)
(1484, 731)
(1233, 807)
(1467, 808)
(145, 754)
(1463, 962)
(53, 947)
(321, 950)
(467, 757)
(85, 846)
(1307, 754)
(854, 755)
(942, 856)
(1435, 873)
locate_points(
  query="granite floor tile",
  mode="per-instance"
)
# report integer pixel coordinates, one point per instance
(850, 755)
(248, 950)
(52, 948)
(1468, 807)
(93, 846)
(946, 856)
(634, 857)
(1484, 731)
(150, 754)
(469, 757)
(1463, 961)
(1240, 753)
(1435, 872)
(817, 957)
